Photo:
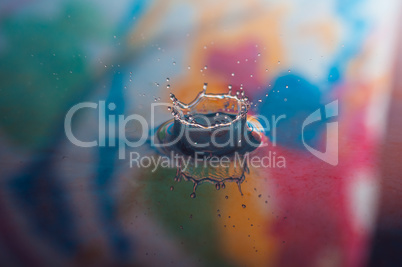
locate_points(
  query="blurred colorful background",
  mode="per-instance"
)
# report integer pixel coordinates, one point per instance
(61, 204)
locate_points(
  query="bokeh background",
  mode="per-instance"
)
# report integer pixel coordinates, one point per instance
(65, 205)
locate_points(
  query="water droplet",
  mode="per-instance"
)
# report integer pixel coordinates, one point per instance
(218, 186)
(174, 63)
(259, 100)
(167, 79)
(259, 195)
(169, 108)
(238, 62)
(205, 87)
(287, 86)
(168, 86)
(205, 67)
(193, 195)
(232, 74)
(189, 67)
(285, 99)
(279, 62)
(243, 206)
(226, 197)
(181, 227)
(259, 54)
(172, 188)
(288, 70)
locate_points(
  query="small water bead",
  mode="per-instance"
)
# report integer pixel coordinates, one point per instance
(279, 62)
(233, 74)
(189, 67)
(167, 79)
(169, 108)
(259, 54)
(172, 188)
(243, 206)
(174, 63)
(238, 62)
(289, 70)
(287, 86)
(193, 195)
(251, 75)
(259, 100)
(226, 197)
(205, 87)
(205, 67)
(168, 86)
(181, 227)
(285, 99)
(218, 186)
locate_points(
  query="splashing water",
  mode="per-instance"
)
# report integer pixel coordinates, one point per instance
(213, 126)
